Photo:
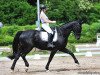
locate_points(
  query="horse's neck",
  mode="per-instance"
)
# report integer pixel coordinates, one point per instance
(66, 33)
(67, 26)
(66, 29)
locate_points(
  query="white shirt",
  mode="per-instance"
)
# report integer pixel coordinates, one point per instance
(44, 15)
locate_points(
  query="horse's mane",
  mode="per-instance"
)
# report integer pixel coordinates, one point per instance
(68, 25)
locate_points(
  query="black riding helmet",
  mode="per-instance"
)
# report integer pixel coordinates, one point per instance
(42, 6)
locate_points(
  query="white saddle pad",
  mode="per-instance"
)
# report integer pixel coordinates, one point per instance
(44, 36)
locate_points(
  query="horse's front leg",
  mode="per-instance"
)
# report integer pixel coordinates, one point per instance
(53, 52)
(69, 52)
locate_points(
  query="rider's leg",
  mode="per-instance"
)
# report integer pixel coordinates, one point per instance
(50, 34)
(50, 39)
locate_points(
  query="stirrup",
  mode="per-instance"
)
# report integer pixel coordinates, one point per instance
(50, 45)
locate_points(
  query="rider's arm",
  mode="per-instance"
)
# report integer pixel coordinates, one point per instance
(46, 20)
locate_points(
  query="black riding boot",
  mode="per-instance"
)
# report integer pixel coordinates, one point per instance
(50, 39)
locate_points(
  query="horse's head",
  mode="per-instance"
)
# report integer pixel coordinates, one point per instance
(77, 28)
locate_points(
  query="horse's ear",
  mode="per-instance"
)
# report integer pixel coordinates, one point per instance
(80, 21)
(84, 20)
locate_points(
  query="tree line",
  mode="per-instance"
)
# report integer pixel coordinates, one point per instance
(23, 12)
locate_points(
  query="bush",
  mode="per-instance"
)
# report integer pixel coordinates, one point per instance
(69, 10)
(7, 33)
(22, 13)
(89, 32)
(17, 12)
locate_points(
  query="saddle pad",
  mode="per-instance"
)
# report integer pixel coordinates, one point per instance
(44, 36)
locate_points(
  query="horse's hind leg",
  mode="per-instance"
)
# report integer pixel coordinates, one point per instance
(15, 60)
(50, 59)
(26, 62)
(24, 58)
(23, 55)
(69, 52)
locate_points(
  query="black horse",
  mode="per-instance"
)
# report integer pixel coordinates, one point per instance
(24, 41)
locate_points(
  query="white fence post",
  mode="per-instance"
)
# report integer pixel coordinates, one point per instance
(98, 39)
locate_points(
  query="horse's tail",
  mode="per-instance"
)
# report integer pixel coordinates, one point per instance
(15, 45)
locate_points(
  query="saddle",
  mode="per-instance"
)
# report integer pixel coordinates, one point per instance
(44, 34)
(51, 29)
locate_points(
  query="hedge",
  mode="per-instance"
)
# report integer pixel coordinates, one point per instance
(88, 33)
(7, 33)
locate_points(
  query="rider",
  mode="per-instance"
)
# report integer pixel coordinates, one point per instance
(45, 25)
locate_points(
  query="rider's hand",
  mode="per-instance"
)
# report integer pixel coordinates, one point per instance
(53, 21)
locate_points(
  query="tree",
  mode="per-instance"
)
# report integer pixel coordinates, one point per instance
(69, 10)
(24, 12)
(34, 2)
(17, 12)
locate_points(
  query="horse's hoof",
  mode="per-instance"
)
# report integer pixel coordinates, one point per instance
(27, 64)
(77, 62)
(12, 68)
(47, 68)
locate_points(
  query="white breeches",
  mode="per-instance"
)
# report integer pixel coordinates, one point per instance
(47, 28)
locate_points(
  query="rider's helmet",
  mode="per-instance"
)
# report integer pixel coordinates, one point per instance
(42, 7)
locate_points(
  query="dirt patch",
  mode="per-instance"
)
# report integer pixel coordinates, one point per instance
(58, 66)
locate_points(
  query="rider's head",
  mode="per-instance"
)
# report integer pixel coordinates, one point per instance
(43, 7)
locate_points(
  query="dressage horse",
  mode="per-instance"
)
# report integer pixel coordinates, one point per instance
(24, 41)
